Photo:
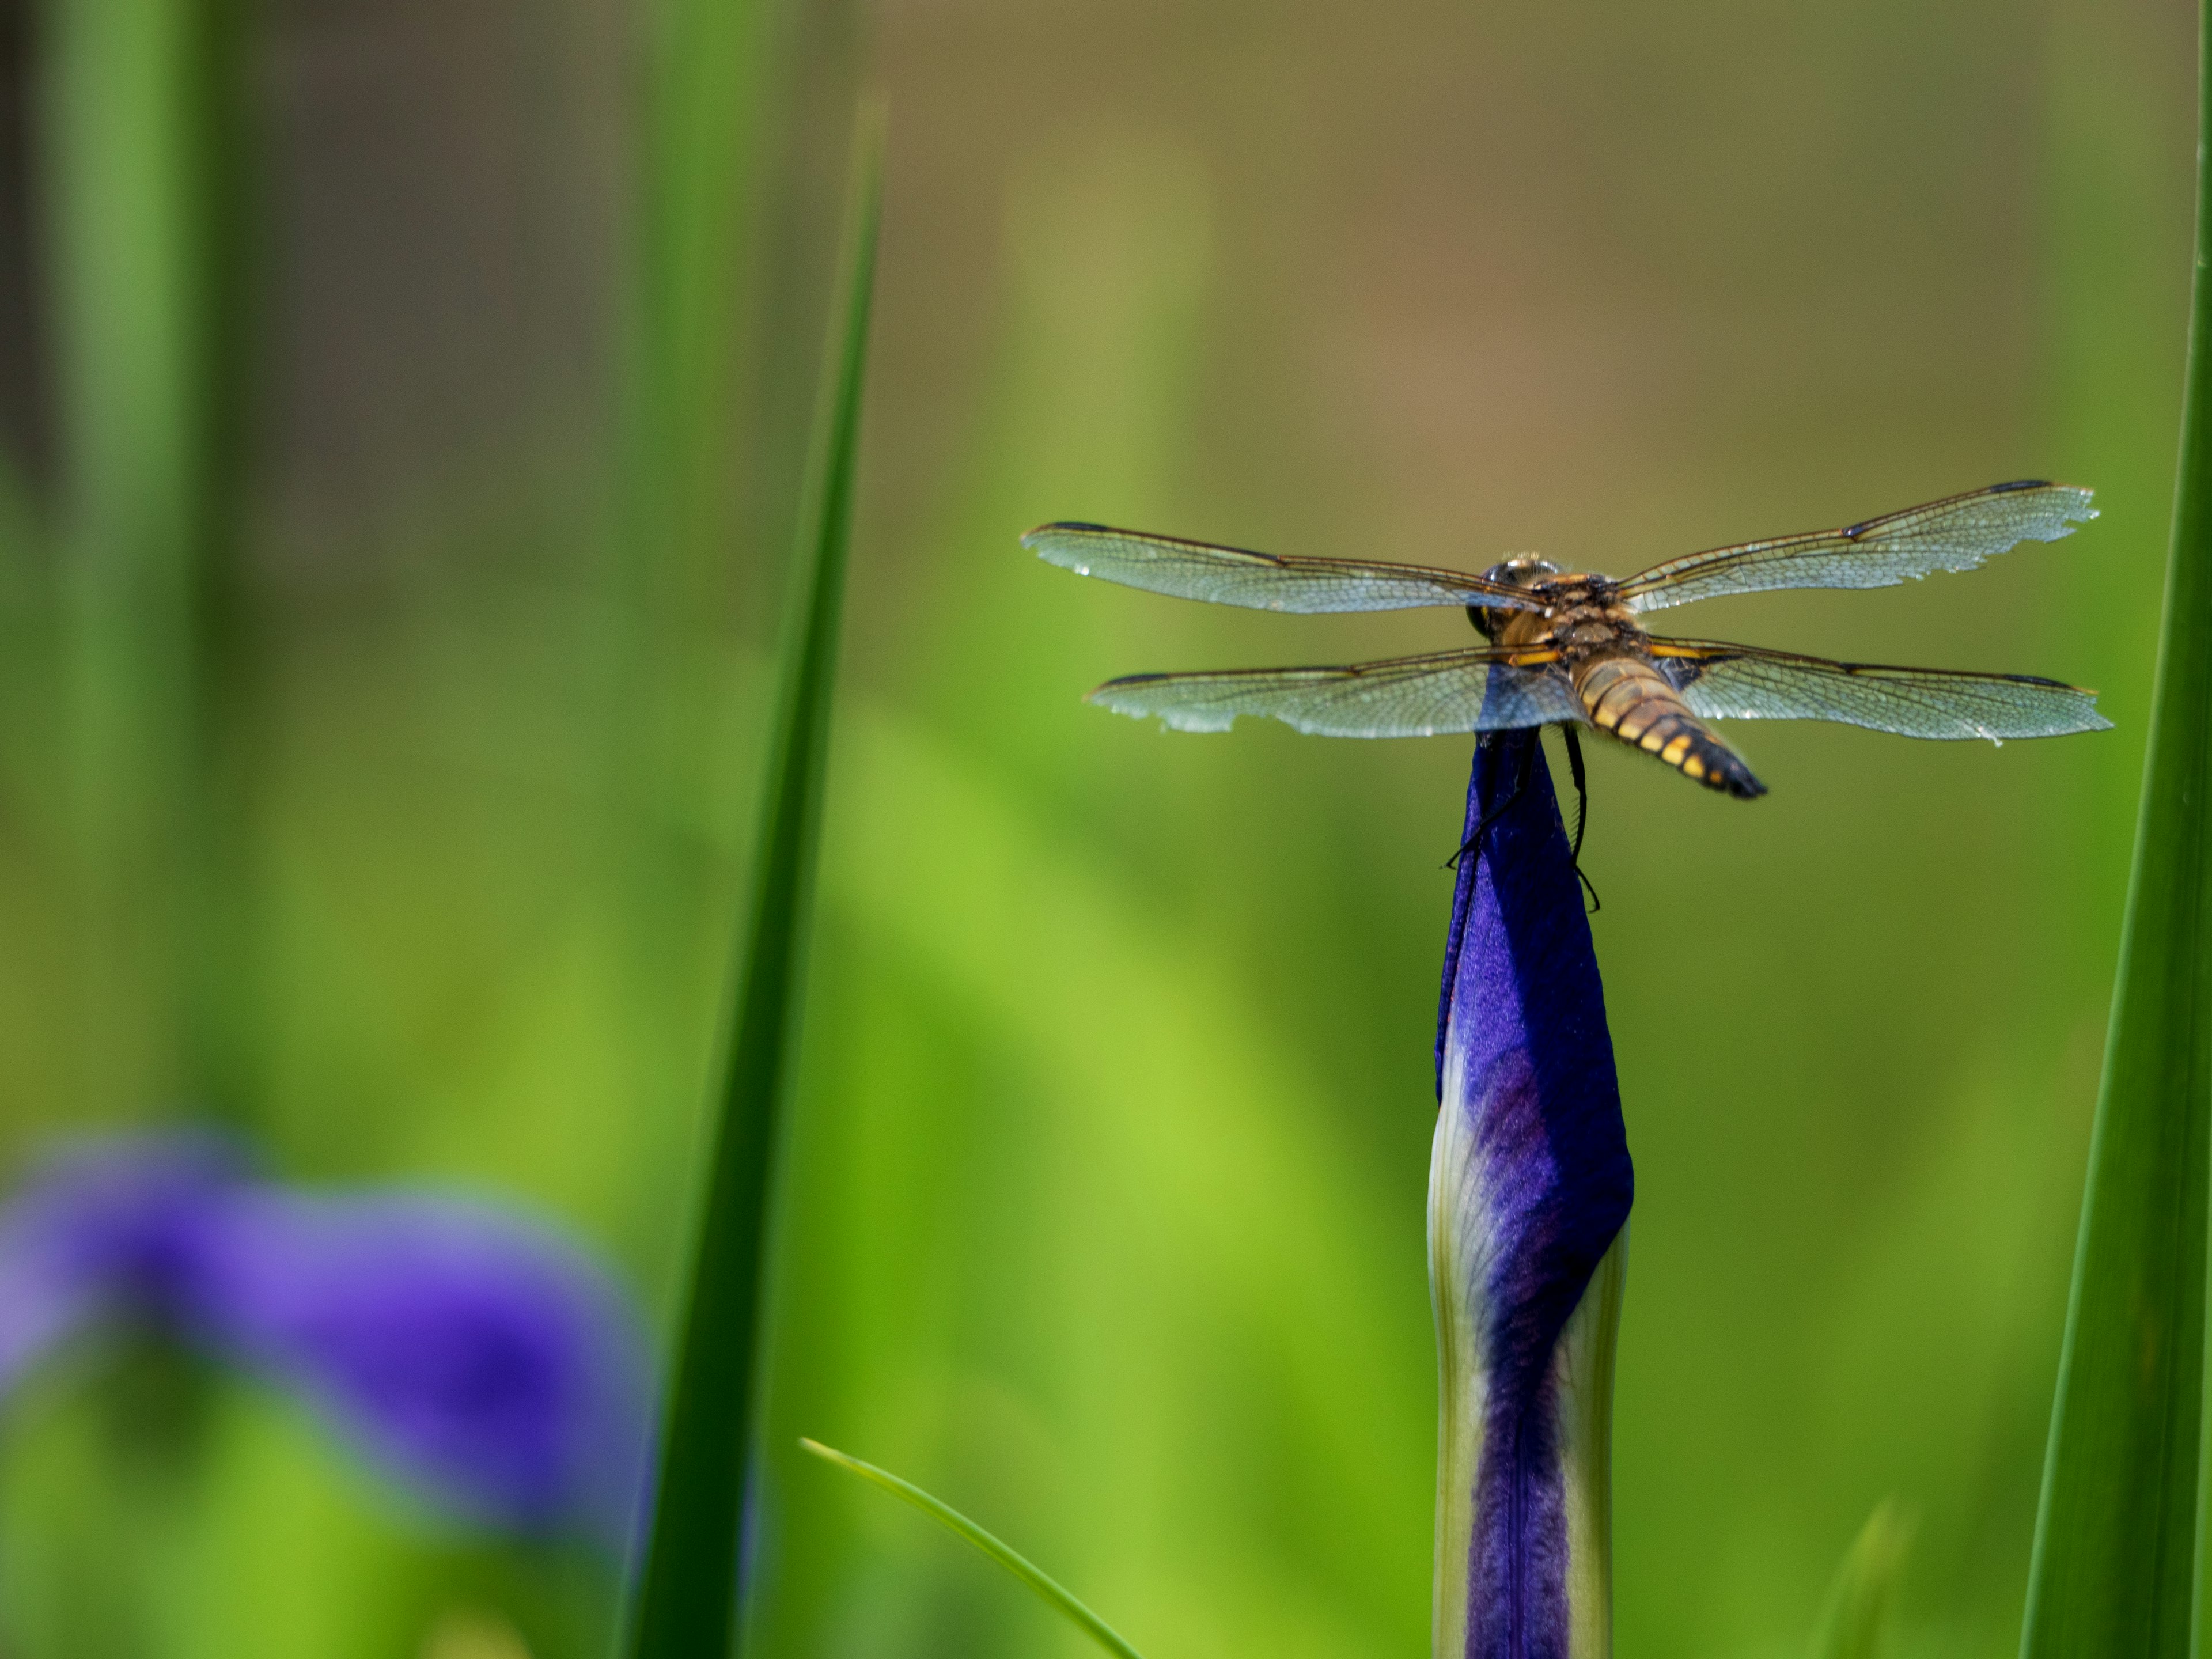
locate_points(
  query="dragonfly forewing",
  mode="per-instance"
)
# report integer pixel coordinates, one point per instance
(1261, 581)
(1956, 533)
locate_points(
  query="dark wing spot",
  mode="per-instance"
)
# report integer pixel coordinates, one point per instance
(2020, 483)
(1851, 532)
(1072, 524)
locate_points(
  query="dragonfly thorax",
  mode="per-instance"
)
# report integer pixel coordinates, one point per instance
(1576, 607)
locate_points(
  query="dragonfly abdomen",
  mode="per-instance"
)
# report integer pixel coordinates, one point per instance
(1630, 699)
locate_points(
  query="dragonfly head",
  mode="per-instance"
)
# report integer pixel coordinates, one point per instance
(1523, 570)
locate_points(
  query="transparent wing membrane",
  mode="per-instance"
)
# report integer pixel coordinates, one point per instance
(1259, 582)
(1956, 533)
(1470, 690)
(1737, 681)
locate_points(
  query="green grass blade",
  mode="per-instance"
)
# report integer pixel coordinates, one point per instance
(682, 465)
(1853, 1621)
(686, 1605)
(2115, 1541)
(702, 81)
(142, 152)
(1055, 1595)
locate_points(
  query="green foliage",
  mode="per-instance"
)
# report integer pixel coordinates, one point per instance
(143, 205)
(1049, 1588)
(1856, 1618)
(1115, 1188)
(2117, 1540)
(693, 262)
(687, 1599)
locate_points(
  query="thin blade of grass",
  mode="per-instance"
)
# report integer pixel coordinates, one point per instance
(2116, 1546)
(1856, 1617)
(144, 161)
(1055, 1595)
(686, 1603)
(681, 468)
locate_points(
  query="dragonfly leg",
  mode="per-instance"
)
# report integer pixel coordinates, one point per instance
(1520, 783)
(1582, 811)
(1582, 789)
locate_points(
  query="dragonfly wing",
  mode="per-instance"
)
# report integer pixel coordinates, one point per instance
(1476, 690)
(1956, 533)
(1739, 682)
(1261, 581)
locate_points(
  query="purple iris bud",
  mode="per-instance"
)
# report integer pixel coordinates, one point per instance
(480, 1356)
(1530, 1188)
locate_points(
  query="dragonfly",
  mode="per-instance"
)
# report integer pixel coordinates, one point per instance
(1568, 648)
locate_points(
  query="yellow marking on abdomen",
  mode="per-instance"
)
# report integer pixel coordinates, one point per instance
(1614, 689)
(1636, 703)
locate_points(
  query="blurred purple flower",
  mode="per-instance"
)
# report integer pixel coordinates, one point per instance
(479, 1356)
(1529, 1189)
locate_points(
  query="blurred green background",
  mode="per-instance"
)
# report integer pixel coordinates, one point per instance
(402, 407)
